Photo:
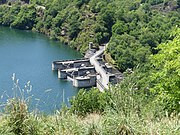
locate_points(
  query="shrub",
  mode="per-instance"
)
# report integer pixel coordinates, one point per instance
(90, 101)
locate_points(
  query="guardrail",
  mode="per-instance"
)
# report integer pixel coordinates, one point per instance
(85, 59)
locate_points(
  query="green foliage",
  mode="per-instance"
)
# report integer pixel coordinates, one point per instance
(19, 121)
(25, 18)
(18, 115)
(7, 19)
(119, 28)
(178, 3)
(79, 3)
(92, 101)
(127, 51)
(167, 73)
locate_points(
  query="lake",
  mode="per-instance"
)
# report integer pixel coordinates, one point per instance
(29, 55)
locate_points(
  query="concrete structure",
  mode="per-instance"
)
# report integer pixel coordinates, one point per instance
(64, 64)
(88, 72)
(85, 81)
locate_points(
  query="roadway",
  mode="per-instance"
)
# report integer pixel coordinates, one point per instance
(104, 76)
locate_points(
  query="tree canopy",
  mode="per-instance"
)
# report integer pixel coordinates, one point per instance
(166, 77)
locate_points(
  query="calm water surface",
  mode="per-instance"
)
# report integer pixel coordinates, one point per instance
(29, 55)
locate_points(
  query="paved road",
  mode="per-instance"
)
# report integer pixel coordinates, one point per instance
(104, 80)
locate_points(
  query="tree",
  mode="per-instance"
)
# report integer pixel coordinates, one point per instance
(166, 77)
(119, 28)
(25, 18)
(178, 3)
(26, 1)
(127, 51)
(81, 2)
(92, 101)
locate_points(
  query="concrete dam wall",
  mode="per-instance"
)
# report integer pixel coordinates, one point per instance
(88, 72)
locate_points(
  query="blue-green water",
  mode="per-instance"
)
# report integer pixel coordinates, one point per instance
(29, 55)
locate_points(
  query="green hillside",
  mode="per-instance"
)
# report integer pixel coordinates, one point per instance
(133, 28)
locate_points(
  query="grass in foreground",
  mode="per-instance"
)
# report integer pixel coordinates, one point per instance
(66, 123)
(118, 112)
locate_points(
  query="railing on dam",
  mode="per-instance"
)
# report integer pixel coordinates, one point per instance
(80, 59)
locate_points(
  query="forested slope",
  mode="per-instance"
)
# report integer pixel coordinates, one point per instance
(133, 28)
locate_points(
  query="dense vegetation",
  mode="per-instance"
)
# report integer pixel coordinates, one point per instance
(143, 35)
(133, 28)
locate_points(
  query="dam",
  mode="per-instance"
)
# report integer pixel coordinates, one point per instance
(88, 72)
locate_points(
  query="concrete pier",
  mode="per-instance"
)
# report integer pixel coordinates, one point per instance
(85, 81)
